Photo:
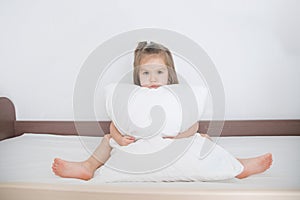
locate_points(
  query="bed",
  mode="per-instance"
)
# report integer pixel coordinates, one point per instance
(27, 150)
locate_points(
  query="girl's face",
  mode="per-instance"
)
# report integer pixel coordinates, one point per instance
(153, 71)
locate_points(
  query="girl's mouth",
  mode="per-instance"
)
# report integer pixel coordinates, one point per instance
(154, 86)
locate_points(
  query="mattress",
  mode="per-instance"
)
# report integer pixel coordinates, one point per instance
(27, 160)
(25, 172)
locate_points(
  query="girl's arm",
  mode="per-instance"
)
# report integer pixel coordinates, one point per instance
(191, 131)
(122, 140)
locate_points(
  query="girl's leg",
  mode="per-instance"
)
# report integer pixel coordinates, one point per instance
(83, 170)
(255, 165)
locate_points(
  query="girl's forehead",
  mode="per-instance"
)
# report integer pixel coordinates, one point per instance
(153, 67)
(157, 59)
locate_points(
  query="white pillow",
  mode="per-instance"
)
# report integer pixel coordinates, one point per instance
(152, 158)
(161, 166)
(144, 112)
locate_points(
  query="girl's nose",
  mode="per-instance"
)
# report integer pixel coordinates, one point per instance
(152, 77)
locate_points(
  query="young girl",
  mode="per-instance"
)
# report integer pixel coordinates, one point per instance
(153, 67)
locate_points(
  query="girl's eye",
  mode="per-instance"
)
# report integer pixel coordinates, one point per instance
(145, 73)
(160, 72)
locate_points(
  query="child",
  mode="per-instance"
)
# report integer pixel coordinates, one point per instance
(153, 67)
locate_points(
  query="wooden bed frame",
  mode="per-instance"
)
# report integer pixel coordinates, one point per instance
(10, 127)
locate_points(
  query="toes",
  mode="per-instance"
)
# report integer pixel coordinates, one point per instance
(57, 160)
(54, 170)
(54, 165)
(269, 156)
(268, 160)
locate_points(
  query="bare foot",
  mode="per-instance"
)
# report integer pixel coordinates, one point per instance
(255, 165)
(66, 169)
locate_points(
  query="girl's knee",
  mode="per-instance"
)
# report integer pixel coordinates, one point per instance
(107, 136)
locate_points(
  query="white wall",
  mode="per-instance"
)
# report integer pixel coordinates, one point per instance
(255, 46)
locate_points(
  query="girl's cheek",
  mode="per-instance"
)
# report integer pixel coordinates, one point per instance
(143, 82)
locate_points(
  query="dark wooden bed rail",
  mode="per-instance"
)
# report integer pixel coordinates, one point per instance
(10, 127)
(7, 118)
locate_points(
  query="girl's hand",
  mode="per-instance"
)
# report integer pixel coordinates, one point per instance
(126, 140)
(206, 136)
(202, 134)
(169, 137)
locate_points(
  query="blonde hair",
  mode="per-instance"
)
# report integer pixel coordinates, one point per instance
(151, 48)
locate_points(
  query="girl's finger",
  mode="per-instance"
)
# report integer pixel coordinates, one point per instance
(168, 137)
(130, 137)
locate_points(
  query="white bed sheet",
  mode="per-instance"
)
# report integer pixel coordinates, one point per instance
(28, 159)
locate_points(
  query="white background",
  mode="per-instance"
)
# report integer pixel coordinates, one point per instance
(255, 46)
